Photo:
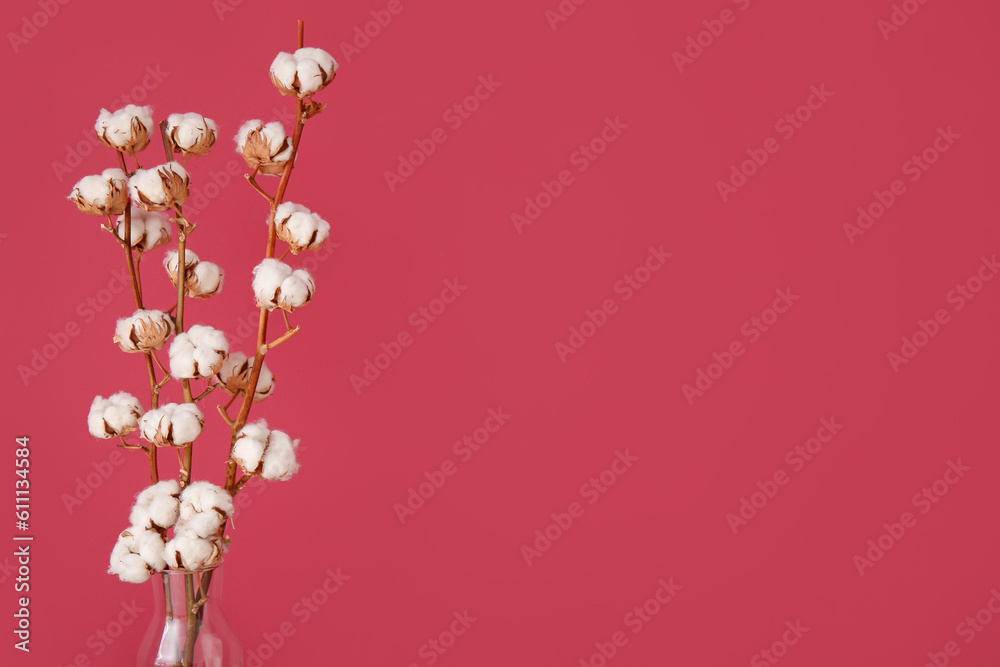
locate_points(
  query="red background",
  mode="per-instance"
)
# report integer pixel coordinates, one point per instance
(496, 345)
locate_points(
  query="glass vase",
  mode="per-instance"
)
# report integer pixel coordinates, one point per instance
(189, 627)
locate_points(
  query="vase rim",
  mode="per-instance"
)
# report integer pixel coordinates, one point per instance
(207, 568)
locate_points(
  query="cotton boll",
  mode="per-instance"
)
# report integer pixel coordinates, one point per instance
(304, 72)
(160, 188)
(163, 510)
(204, 524)
(300, 228)
(151, 549)
(296, 290)
(233, 373)
(198, 352)
(267, 279)
(190, 553)
(135, 555)
(104, 194)
(171, 260)
(118, 415)
(265, 148)
(126, 129)
(172, 425)
(205, 496)
(234, 376)
(143, 331)
(205, 281)
(279, 457)
(191, 133)
(157, 505)
(250, 445)
(148, 230)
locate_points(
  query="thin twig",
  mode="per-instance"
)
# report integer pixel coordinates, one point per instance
(281, 339)
(256, 186)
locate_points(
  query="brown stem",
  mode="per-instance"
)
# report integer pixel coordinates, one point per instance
(192, 621)
(256, 186)
(262, 346)
(133, 273)
(281, 339)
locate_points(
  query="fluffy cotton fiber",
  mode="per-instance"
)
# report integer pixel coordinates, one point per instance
(126, 129)
(264, 146)
(116, 415)
(300, 228)
(234, 376)
(138, 553)
(160, 188)
(143, 331)
(270, 453)
(157, 505)
(148, 230)
(198, 352)
(191, 133)
(101, 194)
(172, 425)
(304, 72)
(276, 285)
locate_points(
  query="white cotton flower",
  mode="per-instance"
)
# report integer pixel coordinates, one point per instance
(143, 331)
(101, 194)
(190, 553)
(191, 133)
(148, 230)
(137, 554)
(276, 285)
(172, 425)
(248, 449)
(126, 129)
(234, 376)
(201, 280)
(157, 505)
(304, 72)
(279, 462)
(205, 497)
(116, 415)
(160, 188)
(198, 352)
(264, 147)
(300, 228)
(205, 281)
